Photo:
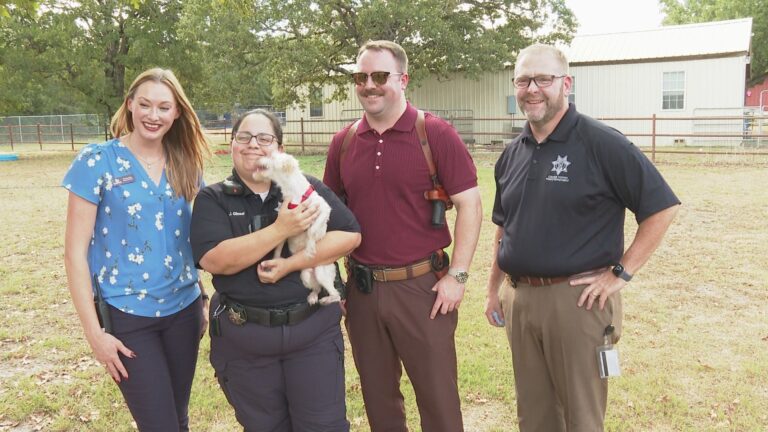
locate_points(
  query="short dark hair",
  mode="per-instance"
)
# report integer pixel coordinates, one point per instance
(269, 115)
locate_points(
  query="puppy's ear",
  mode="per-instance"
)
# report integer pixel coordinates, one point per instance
(293, 163)
(288, 163)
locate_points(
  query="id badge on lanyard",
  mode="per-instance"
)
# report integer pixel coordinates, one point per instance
(608, 356)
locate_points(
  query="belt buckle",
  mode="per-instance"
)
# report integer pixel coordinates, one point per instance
(278, 317)
(237, 315)
(383, 273)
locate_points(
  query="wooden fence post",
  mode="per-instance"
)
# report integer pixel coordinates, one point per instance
(10, 135)
(302, 135)
(72, 136)
(653, 139)
(39, 136)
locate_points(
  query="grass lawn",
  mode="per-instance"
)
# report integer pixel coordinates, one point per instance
(694, 350)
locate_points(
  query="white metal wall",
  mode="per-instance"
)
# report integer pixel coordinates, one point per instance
(635, 90)
(335, 117)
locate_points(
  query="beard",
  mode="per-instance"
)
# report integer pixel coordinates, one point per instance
(552, 105)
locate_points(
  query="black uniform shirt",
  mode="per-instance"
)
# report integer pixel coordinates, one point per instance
(562, 202)
(218, 216)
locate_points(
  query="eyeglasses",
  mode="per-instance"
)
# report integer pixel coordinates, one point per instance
(263, 139)
(541, 81)
(379, 78)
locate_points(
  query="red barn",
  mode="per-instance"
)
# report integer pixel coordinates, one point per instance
(757, 94)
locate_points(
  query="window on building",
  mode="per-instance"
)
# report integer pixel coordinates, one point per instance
(673, 91)
(316, 102)
(572, 96)
(511, 105)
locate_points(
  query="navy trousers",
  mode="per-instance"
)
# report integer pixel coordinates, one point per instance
(160, 376)
(286, 378)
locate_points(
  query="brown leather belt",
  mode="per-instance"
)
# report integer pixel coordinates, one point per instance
(388, 274)
(539, 281)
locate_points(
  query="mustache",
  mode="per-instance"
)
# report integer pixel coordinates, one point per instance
(372, 92)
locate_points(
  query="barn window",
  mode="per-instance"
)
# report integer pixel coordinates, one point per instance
(511, 105)
(673, 91)
(316, 102)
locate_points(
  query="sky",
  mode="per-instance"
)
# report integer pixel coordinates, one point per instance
(613, 16)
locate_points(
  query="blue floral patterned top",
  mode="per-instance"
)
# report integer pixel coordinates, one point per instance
(140, 247)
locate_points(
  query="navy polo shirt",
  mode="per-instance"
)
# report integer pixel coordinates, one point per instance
(218, 216)
(562, 202)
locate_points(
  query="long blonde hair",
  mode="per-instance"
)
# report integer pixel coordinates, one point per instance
(185, 144)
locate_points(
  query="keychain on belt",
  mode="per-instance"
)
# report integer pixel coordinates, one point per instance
(215, 325)
(608, 355)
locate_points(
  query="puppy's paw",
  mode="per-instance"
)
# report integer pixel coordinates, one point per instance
(312, 298)
(329, 299)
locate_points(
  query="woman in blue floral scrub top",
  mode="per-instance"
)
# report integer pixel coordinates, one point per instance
(128, 228)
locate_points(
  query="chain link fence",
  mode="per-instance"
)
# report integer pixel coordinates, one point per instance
(52, 129)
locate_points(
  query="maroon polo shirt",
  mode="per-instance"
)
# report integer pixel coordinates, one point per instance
(385, 177)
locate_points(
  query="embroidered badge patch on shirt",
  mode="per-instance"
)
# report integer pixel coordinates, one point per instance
(559, 166)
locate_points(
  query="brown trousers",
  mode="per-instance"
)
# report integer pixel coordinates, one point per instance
(391, 325)
(554, 344)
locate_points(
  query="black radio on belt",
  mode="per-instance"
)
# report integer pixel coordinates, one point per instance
(363, 276)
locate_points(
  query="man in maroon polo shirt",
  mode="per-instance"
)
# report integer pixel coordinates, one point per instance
(407, 314)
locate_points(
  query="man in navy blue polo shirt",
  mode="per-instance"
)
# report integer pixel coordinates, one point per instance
(562, 188)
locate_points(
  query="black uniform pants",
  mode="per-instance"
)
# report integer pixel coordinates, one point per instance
(285, 378)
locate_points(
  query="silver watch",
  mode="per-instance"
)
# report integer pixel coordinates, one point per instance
(460, 275)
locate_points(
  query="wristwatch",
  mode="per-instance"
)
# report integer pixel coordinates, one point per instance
(619, 272)
(460, 275)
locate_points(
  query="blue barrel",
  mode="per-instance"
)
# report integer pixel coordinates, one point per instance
(4, 157)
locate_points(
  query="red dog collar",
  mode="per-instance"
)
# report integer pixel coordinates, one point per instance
(304, 197)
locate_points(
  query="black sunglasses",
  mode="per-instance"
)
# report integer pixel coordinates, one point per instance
(379, 78)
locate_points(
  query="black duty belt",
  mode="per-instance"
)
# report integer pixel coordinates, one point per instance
(240, 314)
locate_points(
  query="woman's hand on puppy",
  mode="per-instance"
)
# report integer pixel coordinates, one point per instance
(291, 222)
(271, 271)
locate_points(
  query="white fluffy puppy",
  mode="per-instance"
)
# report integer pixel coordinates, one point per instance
(283, 169)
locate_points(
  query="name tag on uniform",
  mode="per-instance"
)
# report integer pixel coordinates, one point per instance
(119, 181)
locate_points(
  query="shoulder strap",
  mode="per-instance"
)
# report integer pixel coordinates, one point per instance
(347, 140)
(344, 147)
(421, 131)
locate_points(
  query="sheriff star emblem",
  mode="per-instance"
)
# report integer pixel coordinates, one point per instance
(560, 165)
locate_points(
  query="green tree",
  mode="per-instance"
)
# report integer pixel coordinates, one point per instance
(73, 56)
(6, 7)
(696, 11)
(301, 44)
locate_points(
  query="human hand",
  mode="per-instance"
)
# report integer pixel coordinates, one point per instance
(493, 312)
(105, 348)
(271, 271)
(291, 222)
(449, 295)
(600, 286)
